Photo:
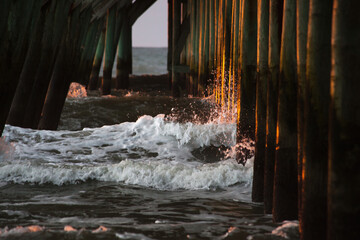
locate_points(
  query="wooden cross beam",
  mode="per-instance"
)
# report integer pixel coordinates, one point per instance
(138, 8)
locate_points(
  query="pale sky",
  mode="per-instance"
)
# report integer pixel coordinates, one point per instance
(150, 30)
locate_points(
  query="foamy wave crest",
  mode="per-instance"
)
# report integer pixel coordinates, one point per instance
(148, 137)
(164, 175)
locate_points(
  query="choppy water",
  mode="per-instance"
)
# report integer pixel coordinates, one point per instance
(134, 167)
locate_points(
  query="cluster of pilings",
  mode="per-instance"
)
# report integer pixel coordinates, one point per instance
(290, 67)
(47, 44)
(293, 68)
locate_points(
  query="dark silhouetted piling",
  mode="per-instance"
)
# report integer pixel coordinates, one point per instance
(14, 42)
(94, 76)
(344, 140)
(124, 55)
(316, 116)
(53, 32)
(175, 59)
(110, 48)
(302, 9)
(246, 124)
(275, 30)
(28, 72)
(69, 58)
(285, 181)
(261, 88)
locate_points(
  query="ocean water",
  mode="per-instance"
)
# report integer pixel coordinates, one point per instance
(151, 61)
(130, 167)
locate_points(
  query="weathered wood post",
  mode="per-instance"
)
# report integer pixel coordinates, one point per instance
(176, 14)
(169, 55)
(344, 140)
(246, 124)
(28, 72)
(124, 55)
(302, 9)
(316, 116)
(211, 27)
(13, 49)
(94, 76)
(261, 88)
(53, 32)
(275, 30)
(69, 58)
(235, 50)
(109, 50)
(203, 31)
(285, 181)
(89, 51)
(193, 50)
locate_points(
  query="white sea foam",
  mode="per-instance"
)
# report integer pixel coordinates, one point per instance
(150, 152)
(288, 230)
(164, 175)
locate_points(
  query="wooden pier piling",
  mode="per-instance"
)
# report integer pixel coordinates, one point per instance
(344, 142)
(261, 88)
(95, 70)
(302, 9)
(124, 55)
(246, 124)
(316, 117)
(291, 68)
(285, 180)
(109, 51)
(14, 42)
(275, 31)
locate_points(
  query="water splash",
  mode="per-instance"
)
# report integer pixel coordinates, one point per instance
(76, 90)
(6, 149)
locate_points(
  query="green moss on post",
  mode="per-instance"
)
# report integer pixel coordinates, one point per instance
(94, 76)
(88, 53)
(124, 55)
(285, 181)
(109, 51)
